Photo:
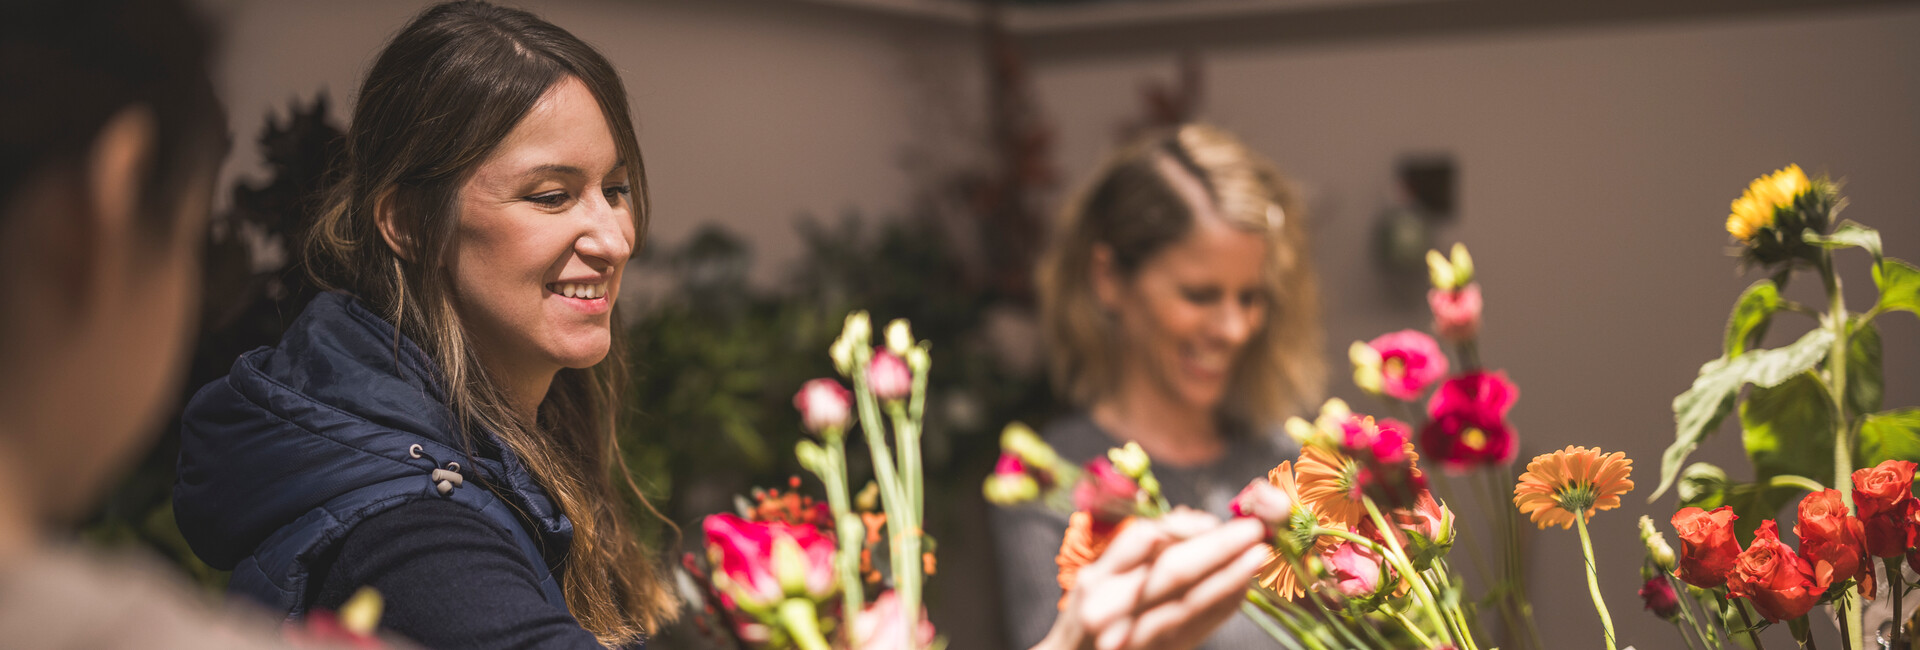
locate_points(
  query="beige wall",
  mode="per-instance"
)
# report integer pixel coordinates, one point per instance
(1596, 167)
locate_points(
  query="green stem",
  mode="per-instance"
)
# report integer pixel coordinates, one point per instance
(802, 623)
(1842, 426)
(1514, 579)
(1686, 611)
(1593, 579)
(1289, 620)
(1398, 558)
(1896, 583)
(907, 434)
(847, 526)
(1266, 624)
(1412, 629)
(1752, 634)
(903, 539)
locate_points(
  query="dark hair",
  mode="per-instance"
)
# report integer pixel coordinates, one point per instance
(66, 67)
(440, 98)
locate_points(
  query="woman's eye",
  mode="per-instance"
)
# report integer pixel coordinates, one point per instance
(1200, 296)
(1251, 298)
(617, 194)
(550, 199)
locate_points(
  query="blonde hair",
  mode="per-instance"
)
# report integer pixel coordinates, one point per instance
(447, 90)
(1133, 209)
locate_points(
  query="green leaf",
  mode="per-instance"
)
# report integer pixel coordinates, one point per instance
(1788, 429)
(1698, 412)
(1755, 306)
(1899, 284)
(1703, 485)
(1706, 487)
(1892, 435)
(1850, 233)
(1864, 376)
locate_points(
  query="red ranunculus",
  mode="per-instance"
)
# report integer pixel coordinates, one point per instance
(1456, 313)
(888, 376)
(1830, 542)
(1660, 597)
(1105, 493)
(1777, 581)
(1467, 426)
(1708, 550)
(1409, 362)
(1884, 496)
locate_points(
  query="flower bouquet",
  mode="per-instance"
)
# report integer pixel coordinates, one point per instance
(773, 570)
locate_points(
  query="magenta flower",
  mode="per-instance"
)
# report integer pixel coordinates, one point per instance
(1467, 426)
(1105, 493)
(1382, 450)
(824, 404)
(1354, 569)
(1263, 500)
(1456, 313)
(881, 627)
(889, 377)
(1011, 483)
(1410, 361)
(759, 564)
(1660, 597)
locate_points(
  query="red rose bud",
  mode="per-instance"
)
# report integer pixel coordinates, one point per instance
(1264, 501)
(1708, 550)
(1660, 598)
(1768, 573)
(1884, 496)
(889, 377)
(1105, 493)
(824, 404)
(1830, 542)
(1456, 313)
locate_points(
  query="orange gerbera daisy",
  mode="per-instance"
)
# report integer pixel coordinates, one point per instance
(1572, 481)
(1277, 574)
(1329, 483)
(1085, 541)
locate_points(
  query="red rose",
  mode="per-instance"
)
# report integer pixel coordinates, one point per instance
(1884, 496)
(1660, 598)
(1768, 573)
(1707, 548)
(1830, 541)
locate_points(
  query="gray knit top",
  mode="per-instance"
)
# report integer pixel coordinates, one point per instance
(1027, 538)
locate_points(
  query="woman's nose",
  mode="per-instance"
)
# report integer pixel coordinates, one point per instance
(605, 236)
(1234, 324)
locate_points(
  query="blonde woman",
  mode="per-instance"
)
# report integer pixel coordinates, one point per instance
(1181, 312)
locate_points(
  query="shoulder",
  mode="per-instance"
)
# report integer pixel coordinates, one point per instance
(1077, 437)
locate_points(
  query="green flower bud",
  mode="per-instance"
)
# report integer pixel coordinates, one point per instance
(1462, 266)
(1011, 489)
(1439, 270)
(1130, 460)
(1020, 440)
(1366, 367)
(899, 337)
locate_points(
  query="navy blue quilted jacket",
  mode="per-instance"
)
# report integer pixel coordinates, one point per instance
(282, 458)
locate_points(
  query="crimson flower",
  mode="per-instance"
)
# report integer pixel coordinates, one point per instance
(1387, 472)
(1410, 361)
(1467, 426)
(1660, 597)
(759, 564)
(1105, 493)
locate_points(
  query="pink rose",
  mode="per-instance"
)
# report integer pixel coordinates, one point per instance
(824, 404)
(1409, 362)
(759, 564)
(1456, 313)
(889, 377)
(1355, 570)
(882, 627)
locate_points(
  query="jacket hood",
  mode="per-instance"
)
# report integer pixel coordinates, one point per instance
(339, 405)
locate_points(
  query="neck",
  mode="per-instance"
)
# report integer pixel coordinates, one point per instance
(20, 527)
(525, 387)
(1171, 431)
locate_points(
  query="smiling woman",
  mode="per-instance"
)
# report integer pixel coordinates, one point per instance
(440, 426)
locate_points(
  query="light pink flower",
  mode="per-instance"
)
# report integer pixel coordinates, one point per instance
(1456, 313)
(1410, 361)
(1354, 569)
(889, 376)
(881, 627)
(824, 404)
(1263, 500)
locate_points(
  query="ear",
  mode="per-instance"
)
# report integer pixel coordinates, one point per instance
(115, 170)
(398, 237)
(1105, 276)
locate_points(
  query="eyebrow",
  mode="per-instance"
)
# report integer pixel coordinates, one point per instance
(569, 170)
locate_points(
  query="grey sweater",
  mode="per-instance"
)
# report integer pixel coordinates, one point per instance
(1027, 538)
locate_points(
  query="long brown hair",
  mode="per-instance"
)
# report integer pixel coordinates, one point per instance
(442, 95)
(1131, 207)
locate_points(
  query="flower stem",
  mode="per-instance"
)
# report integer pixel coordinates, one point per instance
(1410, 627)
(1896, 583)
(1752, 634)
(1266, 621)
(903, 528)
(1686, 611)
(1593, 579)
(1842, 426)
(802, 623)
(1398, 558)
(847, 527)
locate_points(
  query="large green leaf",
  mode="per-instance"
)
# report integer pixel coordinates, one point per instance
(1706, 487)
(1699, 411)
(1850, 233)
(1893, 435)
(1864, 375)
(1788, 429)
(1750, 312)
(1899, 284)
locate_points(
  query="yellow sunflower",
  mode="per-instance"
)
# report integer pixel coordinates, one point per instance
(1575, 480)
(1755, 209)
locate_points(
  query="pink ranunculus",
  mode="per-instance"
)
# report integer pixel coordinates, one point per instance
(1104, 492)
(824, 404)
(882, 627)
(1456, 313)
(1354, 569)
(1011, 483)
(1410, 361)
(1468, 425)
(1478, 390)
(759, 564)
(889, 376)
(1386, 462)
(1263, 500)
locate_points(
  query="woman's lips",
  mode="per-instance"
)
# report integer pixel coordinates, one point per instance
(590, 298)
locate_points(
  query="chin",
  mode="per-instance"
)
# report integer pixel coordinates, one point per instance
(584, 352)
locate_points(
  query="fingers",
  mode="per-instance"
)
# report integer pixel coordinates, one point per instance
(1187, 563)
(1188, 620)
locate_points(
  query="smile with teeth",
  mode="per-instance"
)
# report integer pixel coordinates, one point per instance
(579, 291)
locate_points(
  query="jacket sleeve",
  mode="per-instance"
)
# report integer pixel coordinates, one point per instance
(450, 579)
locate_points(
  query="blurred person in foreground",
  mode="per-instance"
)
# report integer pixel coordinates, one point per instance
(1180, 312)
(110, 136)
